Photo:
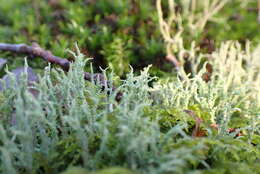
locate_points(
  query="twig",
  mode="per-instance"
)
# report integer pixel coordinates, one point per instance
(36, 51)
(166, 33)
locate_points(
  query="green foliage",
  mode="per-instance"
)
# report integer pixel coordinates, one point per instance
(117, 56)
(75, 170)
(241, 22)
(96, 25)
(114, 170)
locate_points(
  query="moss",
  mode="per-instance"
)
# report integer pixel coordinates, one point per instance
(112, 170)
(76, 170)
(57, 25)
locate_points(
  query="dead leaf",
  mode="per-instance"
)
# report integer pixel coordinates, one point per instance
(197, 131)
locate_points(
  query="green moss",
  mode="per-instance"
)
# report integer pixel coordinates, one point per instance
(75, 170)
(113, 170)
(94, 26)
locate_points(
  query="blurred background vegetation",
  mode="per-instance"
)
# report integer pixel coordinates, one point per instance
(115, 33)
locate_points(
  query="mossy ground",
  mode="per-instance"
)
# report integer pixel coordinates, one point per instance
(130, 27)
(153, 129)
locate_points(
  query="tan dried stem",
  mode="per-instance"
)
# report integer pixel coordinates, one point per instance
(196, 18)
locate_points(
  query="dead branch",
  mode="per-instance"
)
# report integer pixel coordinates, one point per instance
(36, 51)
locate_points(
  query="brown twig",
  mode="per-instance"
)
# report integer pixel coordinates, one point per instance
(36, 51)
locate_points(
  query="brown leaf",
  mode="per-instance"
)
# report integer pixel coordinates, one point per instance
(207, 75)
(197, 131)
(231, 130)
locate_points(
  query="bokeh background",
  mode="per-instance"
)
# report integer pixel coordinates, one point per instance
(114, 33)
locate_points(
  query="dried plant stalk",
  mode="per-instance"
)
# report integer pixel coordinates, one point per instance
(196, 13)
